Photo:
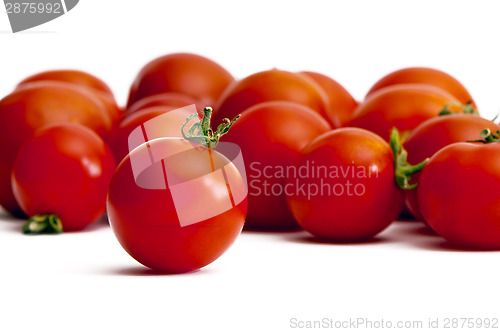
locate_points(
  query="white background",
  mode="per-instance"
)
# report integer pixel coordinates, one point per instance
(85, 281)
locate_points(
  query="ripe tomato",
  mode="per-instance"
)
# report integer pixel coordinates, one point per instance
(36, 105)
(342, 104)
(342, 186)
(422, 75)
(63, 169)
(435, 134)
(82, 79)
(189, 74)
(170, 127)
(176, 205)
(271, 136)
(273, 85)
(175, 100)
(401, 106)
(458, 194)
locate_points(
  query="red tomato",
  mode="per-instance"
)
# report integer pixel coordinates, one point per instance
(189, 74)
(433, 135)
(401, 106)
(177, 215)
(171, 127)
(422, 75)
(272, 85)
(342, 104)
(36, 105)
(271, 136)
(85, 80)
(343, 188)
(458, 194)
(64, 169)
(175, 100)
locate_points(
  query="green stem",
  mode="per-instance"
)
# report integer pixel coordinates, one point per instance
(403, 170)
(487, 137)
(201, 131)
(43, 224)
(466, 109)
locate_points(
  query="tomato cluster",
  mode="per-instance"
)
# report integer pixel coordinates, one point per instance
(290, 150)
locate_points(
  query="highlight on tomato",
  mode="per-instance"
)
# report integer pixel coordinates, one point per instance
(458, 192)
(60, 178)
(424, 75)
(433, 135)
(185, 73)
(170, 99)
(177, 204)
(271, 136)
(33, 106)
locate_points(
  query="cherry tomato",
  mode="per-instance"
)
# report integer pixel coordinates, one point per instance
(435, 134)
(422, 75)
(401, 106)
(342, 104)
(85, 80)
(175, 100)
(271, 136)
(189, 74)
(181, 210)
(342, 186)
(273, 85)
(36, 105)
(64, 169)
(458, 194)
(170, 127)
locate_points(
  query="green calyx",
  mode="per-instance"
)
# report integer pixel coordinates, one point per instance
(403, 170)
(201, 131)
(43, 224)
(466, 109)
(487, 137)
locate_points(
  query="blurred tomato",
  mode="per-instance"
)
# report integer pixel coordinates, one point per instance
(36, 105)
(342, 104)
(64, 169)
(185, 73)
(85, 80)
(401, 106)
(423, 75)
(169, 127)
(271, 136)
(173, 99)
(272, 85)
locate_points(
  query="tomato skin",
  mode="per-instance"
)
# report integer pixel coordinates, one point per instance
(36, 105)
(271, 135)
(458, 194)
(423, 75)
(64, 169)
(435, 134)
(121, 145)
(147, 225)
(84, 80)
(190, 74)
(354, 216)
(341, 103)
(401, 106)
(272, 85)
(171, 99)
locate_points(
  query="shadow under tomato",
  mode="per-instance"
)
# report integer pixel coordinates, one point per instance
(139, 271)
(311, 239)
